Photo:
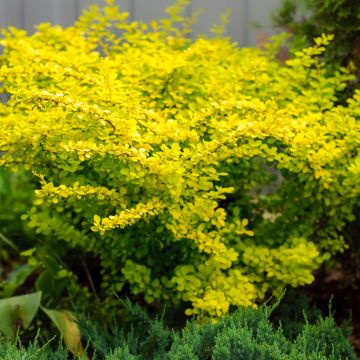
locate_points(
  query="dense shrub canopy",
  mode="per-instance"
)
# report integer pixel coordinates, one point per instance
(194, 171)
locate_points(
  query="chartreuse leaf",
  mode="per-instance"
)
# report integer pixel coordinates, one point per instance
(18, 311)
(65, 321)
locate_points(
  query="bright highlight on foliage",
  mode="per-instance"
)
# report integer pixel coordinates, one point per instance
(195, 171)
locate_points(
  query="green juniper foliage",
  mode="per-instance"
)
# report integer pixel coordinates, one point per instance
(291, 312)
(16, 351)
(245, 334)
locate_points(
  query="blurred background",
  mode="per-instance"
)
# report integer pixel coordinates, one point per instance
(250, 21)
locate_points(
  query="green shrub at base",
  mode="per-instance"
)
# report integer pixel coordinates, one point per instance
(244, 335)
(193, 172)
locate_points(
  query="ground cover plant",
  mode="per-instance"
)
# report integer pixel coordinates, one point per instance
(245, 334)
(192, 172)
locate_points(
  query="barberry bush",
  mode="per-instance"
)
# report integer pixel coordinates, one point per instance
(193, 171)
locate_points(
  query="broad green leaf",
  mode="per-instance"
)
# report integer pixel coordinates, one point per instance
(50, 286)
(15, 279)
(49, 282)
(66, 322)
(18, 311)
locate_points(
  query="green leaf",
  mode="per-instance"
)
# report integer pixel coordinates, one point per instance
(50, 282)
(18, 311)
(50, 286)
(8, 242)
(4, 184)
(66, 322)
(15, 279)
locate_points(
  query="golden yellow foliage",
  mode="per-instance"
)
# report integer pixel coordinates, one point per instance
(155, 153)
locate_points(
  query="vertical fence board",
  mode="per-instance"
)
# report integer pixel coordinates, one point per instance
(146, 11)
(11, 13)
(2, 14)
(260, 13)
(211, 10)
(125, 5)
(27, 13)
(37, 11)
(83, 4)
(65, 12)
(238, 25)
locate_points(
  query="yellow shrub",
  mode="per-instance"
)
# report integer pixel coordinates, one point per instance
(157, 155)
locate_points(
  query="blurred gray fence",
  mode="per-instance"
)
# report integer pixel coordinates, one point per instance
(245, 13)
